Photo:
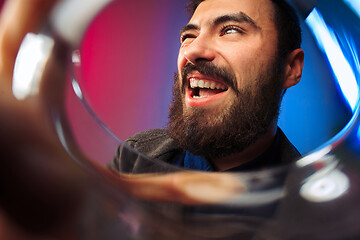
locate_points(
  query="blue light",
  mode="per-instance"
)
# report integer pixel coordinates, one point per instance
(329, 44)
(354, 5)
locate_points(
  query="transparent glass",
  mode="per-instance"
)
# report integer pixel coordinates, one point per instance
(317, 197)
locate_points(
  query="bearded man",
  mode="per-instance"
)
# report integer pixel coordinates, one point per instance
(236, 60)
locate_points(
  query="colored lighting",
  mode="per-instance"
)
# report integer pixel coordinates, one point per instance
(354, 5)
(328, 43)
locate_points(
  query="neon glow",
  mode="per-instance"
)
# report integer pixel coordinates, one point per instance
(354, 5)
(329, 44)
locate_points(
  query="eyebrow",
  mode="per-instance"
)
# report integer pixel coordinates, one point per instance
(239, 17)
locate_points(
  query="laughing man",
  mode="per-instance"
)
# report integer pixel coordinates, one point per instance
(236, 60)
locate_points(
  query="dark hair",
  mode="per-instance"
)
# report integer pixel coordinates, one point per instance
(286, 21)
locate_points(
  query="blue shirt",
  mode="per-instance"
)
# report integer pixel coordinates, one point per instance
(269, 158)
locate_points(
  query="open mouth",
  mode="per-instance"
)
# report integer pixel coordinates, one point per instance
(205, 88)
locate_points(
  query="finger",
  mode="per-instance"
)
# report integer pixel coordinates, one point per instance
(18, 18)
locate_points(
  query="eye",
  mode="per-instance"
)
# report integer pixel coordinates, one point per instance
(185, 36)
(231, 30)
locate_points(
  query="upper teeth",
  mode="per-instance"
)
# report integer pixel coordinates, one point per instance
(194, 83)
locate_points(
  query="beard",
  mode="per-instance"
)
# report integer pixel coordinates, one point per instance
(218, 133)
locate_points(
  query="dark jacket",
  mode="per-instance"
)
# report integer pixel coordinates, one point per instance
(157, 144)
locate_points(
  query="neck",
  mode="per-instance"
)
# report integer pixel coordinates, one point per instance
(250, 153)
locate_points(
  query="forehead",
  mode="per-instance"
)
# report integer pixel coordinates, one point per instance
(261, 11)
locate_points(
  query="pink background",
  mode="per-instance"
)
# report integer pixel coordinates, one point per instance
(128, 61)
(129, 58)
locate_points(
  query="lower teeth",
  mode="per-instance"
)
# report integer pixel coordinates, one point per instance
(197, 97)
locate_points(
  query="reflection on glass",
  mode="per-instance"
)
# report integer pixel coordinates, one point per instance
(34, 53)
(316, 198)
(355, 5)
(325, 188)
(328, 43)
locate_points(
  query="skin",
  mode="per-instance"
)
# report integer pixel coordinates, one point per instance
(12, 29)
(241, 46)
(38, 173)
(25, 126)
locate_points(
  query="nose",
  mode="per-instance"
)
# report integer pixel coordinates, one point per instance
(200, 49)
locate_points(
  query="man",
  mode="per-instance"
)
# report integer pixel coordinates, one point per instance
(44, 190)
(236, 60)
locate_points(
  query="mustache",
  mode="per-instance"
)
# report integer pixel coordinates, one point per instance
(213, 71)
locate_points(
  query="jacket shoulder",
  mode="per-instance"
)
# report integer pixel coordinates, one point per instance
(154, 143)
(148, 145)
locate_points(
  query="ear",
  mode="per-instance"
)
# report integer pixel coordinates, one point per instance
(293, 68)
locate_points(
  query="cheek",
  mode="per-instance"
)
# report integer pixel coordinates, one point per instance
(247, 63)
(246, 68)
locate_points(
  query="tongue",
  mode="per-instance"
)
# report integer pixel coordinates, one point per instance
(208, 92)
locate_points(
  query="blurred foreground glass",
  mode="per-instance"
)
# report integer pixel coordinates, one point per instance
(317, 197)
